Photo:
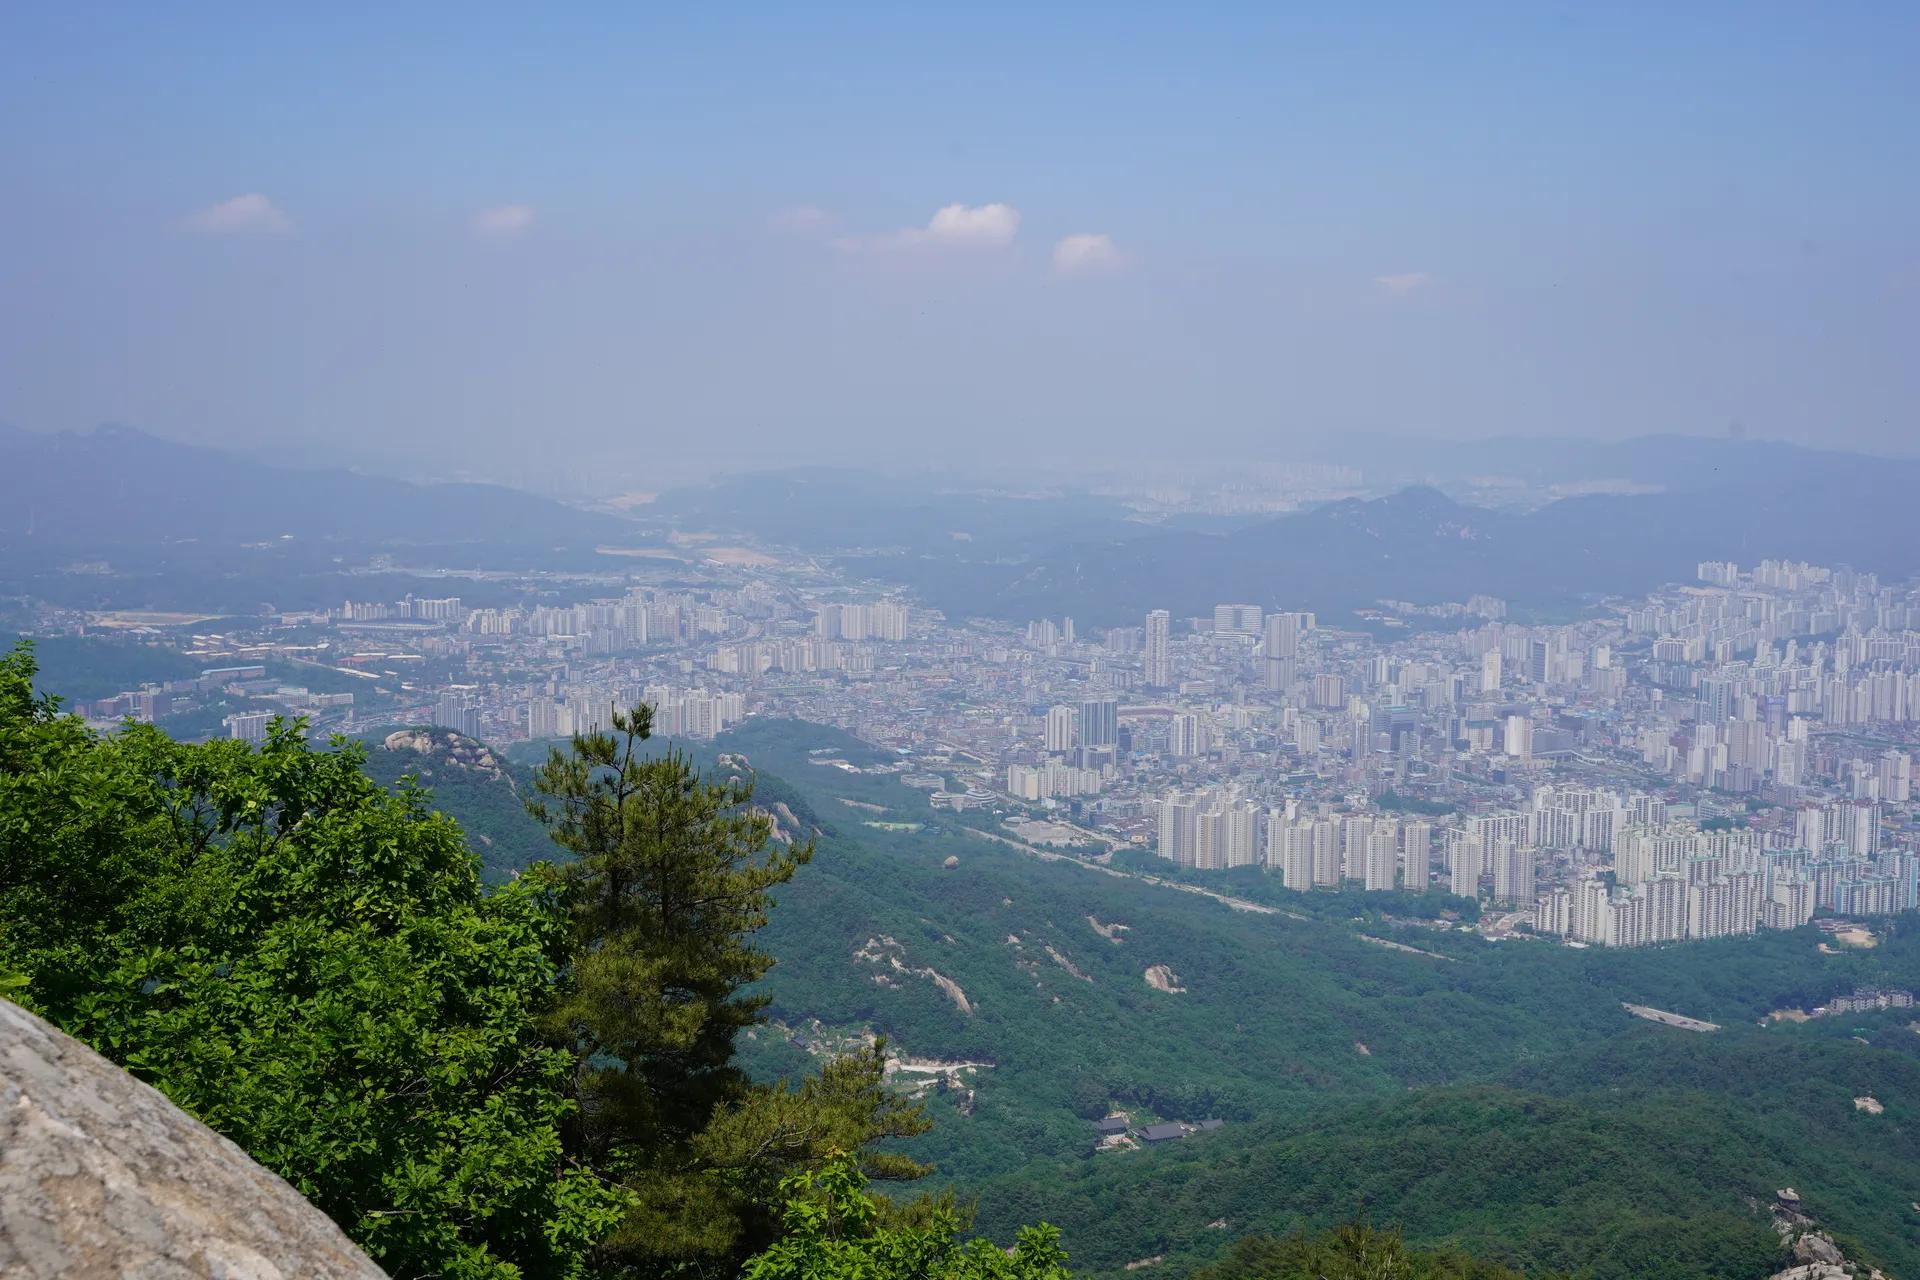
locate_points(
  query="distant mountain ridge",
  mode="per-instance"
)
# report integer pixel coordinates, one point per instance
(114, 486)
(1418, 544)
(1669, 460)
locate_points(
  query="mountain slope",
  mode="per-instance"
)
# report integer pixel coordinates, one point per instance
(1498, 1100)
(115, 486)
(486, 793)
(1494, 1098)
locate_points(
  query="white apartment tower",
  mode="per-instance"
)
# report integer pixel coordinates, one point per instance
(1158, 654)
(1061, 725)
(1416, 839)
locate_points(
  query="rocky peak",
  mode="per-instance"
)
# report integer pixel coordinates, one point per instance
(1815, 1255)
(444, 746)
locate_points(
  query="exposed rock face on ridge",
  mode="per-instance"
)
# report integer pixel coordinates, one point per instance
(100, 1175)
(1815, 1255)
(446, 746)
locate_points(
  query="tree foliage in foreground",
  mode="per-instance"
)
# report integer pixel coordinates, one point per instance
(309, 964)
(833, 1229)
(1354, 1251)
(534, 1079)
(669, 882)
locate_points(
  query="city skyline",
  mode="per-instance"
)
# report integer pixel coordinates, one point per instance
(1679, 766)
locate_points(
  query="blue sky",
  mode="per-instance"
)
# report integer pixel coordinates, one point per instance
(680, 237)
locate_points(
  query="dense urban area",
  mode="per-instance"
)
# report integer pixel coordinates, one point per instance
(1722, 756)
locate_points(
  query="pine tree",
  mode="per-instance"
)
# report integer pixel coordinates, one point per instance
(670, 880)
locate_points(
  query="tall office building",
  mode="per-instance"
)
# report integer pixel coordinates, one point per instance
(1158, 665)
(1490, 671)
(1539, 656)
(1099, 722)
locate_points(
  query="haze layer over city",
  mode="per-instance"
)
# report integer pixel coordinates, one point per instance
(1239, 643)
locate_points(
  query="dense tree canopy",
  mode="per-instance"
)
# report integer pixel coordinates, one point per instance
(309, 964)
(1354, 1251)
(834, 1229)
(534, 1078)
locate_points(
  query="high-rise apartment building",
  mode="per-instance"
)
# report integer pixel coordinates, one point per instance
(1383, 854)
(1518, 738)
(1282, 650)
(1158, 650)
(1416, 840)
(1236, 619)
(1061, 725)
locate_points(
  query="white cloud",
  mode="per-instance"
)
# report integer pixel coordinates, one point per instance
(503, 222)
(956, 226)
(1087, 254)
(989, 225)
(251, 214)
(802, 220)
(1404, 283)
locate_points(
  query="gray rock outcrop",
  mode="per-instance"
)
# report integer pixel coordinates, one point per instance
(100, 1175)
(1817, 1248)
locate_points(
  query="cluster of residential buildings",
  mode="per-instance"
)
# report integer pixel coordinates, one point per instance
(1720, 756)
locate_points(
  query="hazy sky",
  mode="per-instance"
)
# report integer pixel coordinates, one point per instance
(564, 240)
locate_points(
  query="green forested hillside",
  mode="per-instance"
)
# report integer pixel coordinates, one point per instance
(1498, 1099)
(1491, 1098)
(483, 790)
(533, 1078)
(1647, 1159)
